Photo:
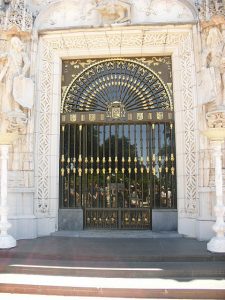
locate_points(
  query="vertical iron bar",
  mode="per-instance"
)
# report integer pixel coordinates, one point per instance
(148, 161)
(74, 165)
(104, 168)
(166, 164)
(92, 167)
(62, 165)
(135, 163)
(153, 164)
(116, 162)
(142, 164)
(129, 165)
(98, 167)
(110, 169)
(86, 164)
(123, 167)
(80, 165)
(68, 166)
(173, 187)
(159, 164)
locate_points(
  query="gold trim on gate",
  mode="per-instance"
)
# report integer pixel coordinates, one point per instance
(150, 116)
(73, 118)
(92, 117)
(159, 116)
(140, 116)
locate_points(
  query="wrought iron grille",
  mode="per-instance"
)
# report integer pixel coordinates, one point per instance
(126, 81)
(117, 145)
(117, 172)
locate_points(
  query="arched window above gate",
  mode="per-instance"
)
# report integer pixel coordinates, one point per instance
(124, 83)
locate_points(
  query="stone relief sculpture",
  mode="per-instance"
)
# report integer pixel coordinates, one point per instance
(17, 95)
(113, 11)
(215, 59)
(18, 89)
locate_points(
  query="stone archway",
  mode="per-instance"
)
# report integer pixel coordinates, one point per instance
(111, 43)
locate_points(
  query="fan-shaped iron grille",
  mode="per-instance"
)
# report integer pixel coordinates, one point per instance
(126, 81)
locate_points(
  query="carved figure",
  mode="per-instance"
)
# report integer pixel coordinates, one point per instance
(15, 68)
(117, 11)
(215, 59)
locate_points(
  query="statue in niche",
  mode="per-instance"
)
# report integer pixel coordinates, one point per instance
(18, 90)
(114, 11)
(215, 60)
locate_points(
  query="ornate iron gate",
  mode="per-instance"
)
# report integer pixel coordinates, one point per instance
(117, 146)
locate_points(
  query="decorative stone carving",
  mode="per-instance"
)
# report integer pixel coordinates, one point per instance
(113, 11)
(163, 11)
(209, 8)
(18, 90)
(216, 119)
(214, 57)
(18, 18)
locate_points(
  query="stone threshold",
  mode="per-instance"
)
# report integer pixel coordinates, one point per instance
(129, 234)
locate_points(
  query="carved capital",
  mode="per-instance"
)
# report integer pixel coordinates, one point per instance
(17, 121)
(216, 119)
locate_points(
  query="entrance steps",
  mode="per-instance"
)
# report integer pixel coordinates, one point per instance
(101, 268)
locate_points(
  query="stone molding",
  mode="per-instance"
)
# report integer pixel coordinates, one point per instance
(54, 47)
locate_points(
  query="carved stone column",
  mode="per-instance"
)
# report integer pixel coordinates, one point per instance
(6, 240)
(216, 135)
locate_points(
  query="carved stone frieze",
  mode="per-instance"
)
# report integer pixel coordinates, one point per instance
(52, 47)
(17, 18)
(209, 8)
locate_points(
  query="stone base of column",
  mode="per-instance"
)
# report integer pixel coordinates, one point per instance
(216, 245)
(7, 242)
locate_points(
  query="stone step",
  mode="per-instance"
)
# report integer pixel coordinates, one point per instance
(174, 270)
(113, 287)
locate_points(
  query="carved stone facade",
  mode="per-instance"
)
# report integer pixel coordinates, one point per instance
(51, 31)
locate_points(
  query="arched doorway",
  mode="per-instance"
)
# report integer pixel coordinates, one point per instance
(118, 143)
